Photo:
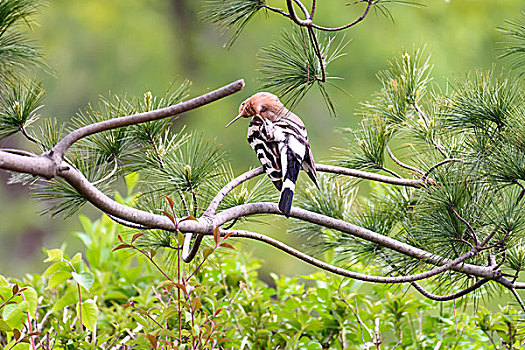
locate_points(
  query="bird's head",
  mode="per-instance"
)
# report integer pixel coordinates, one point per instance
(262, 105)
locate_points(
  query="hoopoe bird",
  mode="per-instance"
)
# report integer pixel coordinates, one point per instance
(279, 139)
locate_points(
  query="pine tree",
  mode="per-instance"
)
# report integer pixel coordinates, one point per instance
(446, 167)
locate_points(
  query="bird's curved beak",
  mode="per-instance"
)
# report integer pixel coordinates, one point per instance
(234, 119)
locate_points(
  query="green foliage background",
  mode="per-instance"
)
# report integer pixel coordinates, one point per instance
(96, 47)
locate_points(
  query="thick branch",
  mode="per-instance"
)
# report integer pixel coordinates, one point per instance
(74, 136)
(35, 165)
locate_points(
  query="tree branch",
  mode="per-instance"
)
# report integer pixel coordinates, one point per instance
(437, 165)
(63, 145)
(400, 163)
(308, 21)
(453, 296)
(369, 176)
(447, 264)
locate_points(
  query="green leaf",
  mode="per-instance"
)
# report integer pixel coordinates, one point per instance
(58, 278)
(54, 255)
(67, 299)
(76, 259)
(131, 179)
(85, 279)
(3, 281)
(31, 297)
(61, 265)
(180, 239)
(14, 314)
(89, 314)
(163, 332)
(4, 326)
(170, 311)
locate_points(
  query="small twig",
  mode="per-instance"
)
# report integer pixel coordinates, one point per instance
(450, 264)
(303, 8)
(355, 312)
(362, 17)
(520, 197)
(453, 296)
(312, 12)
(111, 173)
(471, 229)
(195, 202)
(308, 21)
(29, 137)
(148, 256)
(420, 112)
(437, 165)
(391, 172)
(400, 163)
(184, 203)
(317, 50)
(400, 336)
(518, 298)
(30, 326)
(18, 151)
(128, 223)
(147, 314)
(498, 242)
(232, 224)
(276, 10)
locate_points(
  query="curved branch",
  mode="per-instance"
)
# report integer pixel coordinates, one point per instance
(127, 223)
(303, 8)
(357, 231)
(400, 163)
(359, 19)
(110, 174)
(453, 296)
(205, 225)
(63, 145)
(369, 176)
(437, 165)
(276, 10)
(308, 21)
(214, 204)
(347, 273)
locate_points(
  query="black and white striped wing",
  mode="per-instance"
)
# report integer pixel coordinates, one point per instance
(294, 148)
(267, 150)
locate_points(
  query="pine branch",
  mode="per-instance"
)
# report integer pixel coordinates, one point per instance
(59, 150)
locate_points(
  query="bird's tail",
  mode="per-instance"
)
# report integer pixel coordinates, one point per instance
(290, 177)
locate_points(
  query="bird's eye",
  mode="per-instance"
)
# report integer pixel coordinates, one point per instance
(263, 109)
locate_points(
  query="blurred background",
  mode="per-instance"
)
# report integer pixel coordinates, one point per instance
(97, 47)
